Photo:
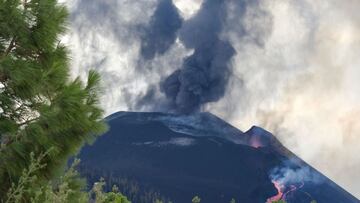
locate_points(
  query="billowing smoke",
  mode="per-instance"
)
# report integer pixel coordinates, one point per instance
(119, 38)
(290, 173)
(291, 176)
(291, 67)
(204, 75)
(162, 30)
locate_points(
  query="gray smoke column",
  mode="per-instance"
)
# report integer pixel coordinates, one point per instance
(162, 30)
(204, 75)
(295, 71)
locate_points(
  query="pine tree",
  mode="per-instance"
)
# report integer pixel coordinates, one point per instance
(41, 109)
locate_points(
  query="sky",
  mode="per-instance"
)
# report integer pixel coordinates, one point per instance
(289, 66)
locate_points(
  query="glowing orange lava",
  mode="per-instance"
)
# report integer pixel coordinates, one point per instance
(279, 195)
(293, 188)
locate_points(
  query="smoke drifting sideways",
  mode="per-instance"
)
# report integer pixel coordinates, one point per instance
(294, 70)
(290, 173)
(302, 85)
(290, 177)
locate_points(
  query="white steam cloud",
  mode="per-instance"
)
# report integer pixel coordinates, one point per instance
(303, 85)
(287, 174)
(299, 80)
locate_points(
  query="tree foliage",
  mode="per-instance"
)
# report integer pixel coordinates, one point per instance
(196, 199)
(69, 187)
(42, 110)
(45, 116)
(111, 197)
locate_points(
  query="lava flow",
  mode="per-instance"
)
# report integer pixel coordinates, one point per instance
(279, 195)
(293, 188)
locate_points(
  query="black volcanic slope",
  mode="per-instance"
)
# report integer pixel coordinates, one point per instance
(156, 155)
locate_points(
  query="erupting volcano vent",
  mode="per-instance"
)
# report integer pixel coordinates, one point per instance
(258, 137)
(174, 155)
(256, 143)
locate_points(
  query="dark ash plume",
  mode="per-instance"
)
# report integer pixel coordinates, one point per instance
(162, 30)
(204, 75)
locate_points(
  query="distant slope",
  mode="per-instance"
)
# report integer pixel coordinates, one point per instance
(157, 155)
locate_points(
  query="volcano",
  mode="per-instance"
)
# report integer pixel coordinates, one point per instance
(172, 157)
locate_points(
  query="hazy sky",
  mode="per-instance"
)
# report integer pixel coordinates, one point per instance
(290, 66)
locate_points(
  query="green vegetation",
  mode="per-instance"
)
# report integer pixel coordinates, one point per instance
(45, 116)
(135, 191)
(68, 188)
(196, 199)
(110, 197)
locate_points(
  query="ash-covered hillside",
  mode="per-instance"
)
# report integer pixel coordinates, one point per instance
(175, 157)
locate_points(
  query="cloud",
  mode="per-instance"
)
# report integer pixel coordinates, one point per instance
(204, 75)
(188, 8)
(107, 36)
(289, 173)
(301, 84)
(291, 67)
(160, 34)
